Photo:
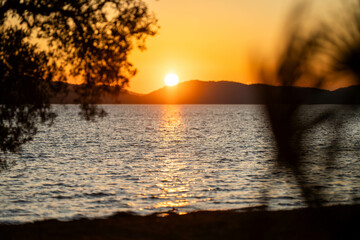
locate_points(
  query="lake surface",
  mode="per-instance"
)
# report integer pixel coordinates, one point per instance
(153, 158)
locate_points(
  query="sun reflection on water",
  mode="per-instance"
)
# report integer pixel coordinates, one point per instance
(171, 124)
(174, 189)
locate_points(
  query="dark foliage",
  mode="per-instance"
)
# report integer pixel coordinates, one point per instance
(26, 86)
(318, 55)
(48, 41)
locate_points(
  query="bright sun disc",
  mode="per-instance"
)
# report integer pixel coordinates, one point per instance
(171, 79)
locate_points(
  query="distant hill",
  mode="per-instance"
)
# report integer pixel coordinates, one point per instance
(224, 92)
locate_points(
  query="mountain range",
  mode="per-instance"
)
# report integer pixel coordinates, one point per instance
(225, 92)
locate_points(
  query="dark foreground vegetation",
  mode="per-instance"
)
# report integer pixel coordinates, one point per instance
(336, 222)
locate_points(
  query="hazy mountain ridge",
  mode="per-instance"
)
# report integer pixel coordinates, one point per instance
(225, 92)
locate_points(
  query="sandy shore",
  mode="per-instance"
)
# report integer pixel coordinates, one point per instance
(337, 222)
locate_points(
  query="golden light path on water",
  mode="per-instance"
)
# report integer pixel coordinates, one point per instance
(171, 186)
(175, 179)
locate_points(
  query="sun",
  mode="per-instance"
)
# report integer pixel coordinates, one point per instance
(171, 79)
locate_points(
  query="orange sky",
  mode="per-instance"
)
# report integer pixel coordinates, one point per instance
(208, 40)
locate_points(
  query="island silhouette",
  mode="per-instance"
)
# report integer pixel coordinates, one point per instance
(227, 92)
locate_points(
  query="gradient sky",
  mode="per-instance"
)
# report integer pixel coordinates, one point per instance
(208, 40)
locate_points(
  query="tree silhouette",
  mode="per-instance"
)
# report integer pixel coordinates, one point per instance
(319, 55)
(26, 87)
(47, 42)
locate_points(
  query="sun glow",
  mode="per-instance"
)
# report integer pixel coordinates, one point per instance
(171, 80)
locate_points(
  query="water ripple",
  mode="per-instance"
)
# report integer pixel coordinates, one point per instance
(149, 158)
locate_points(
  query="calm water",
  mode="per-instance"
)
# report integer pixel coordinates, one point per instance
(152, 158)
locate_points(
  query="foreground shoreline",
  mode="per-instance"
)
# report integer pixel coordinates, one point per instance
(335, 222)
